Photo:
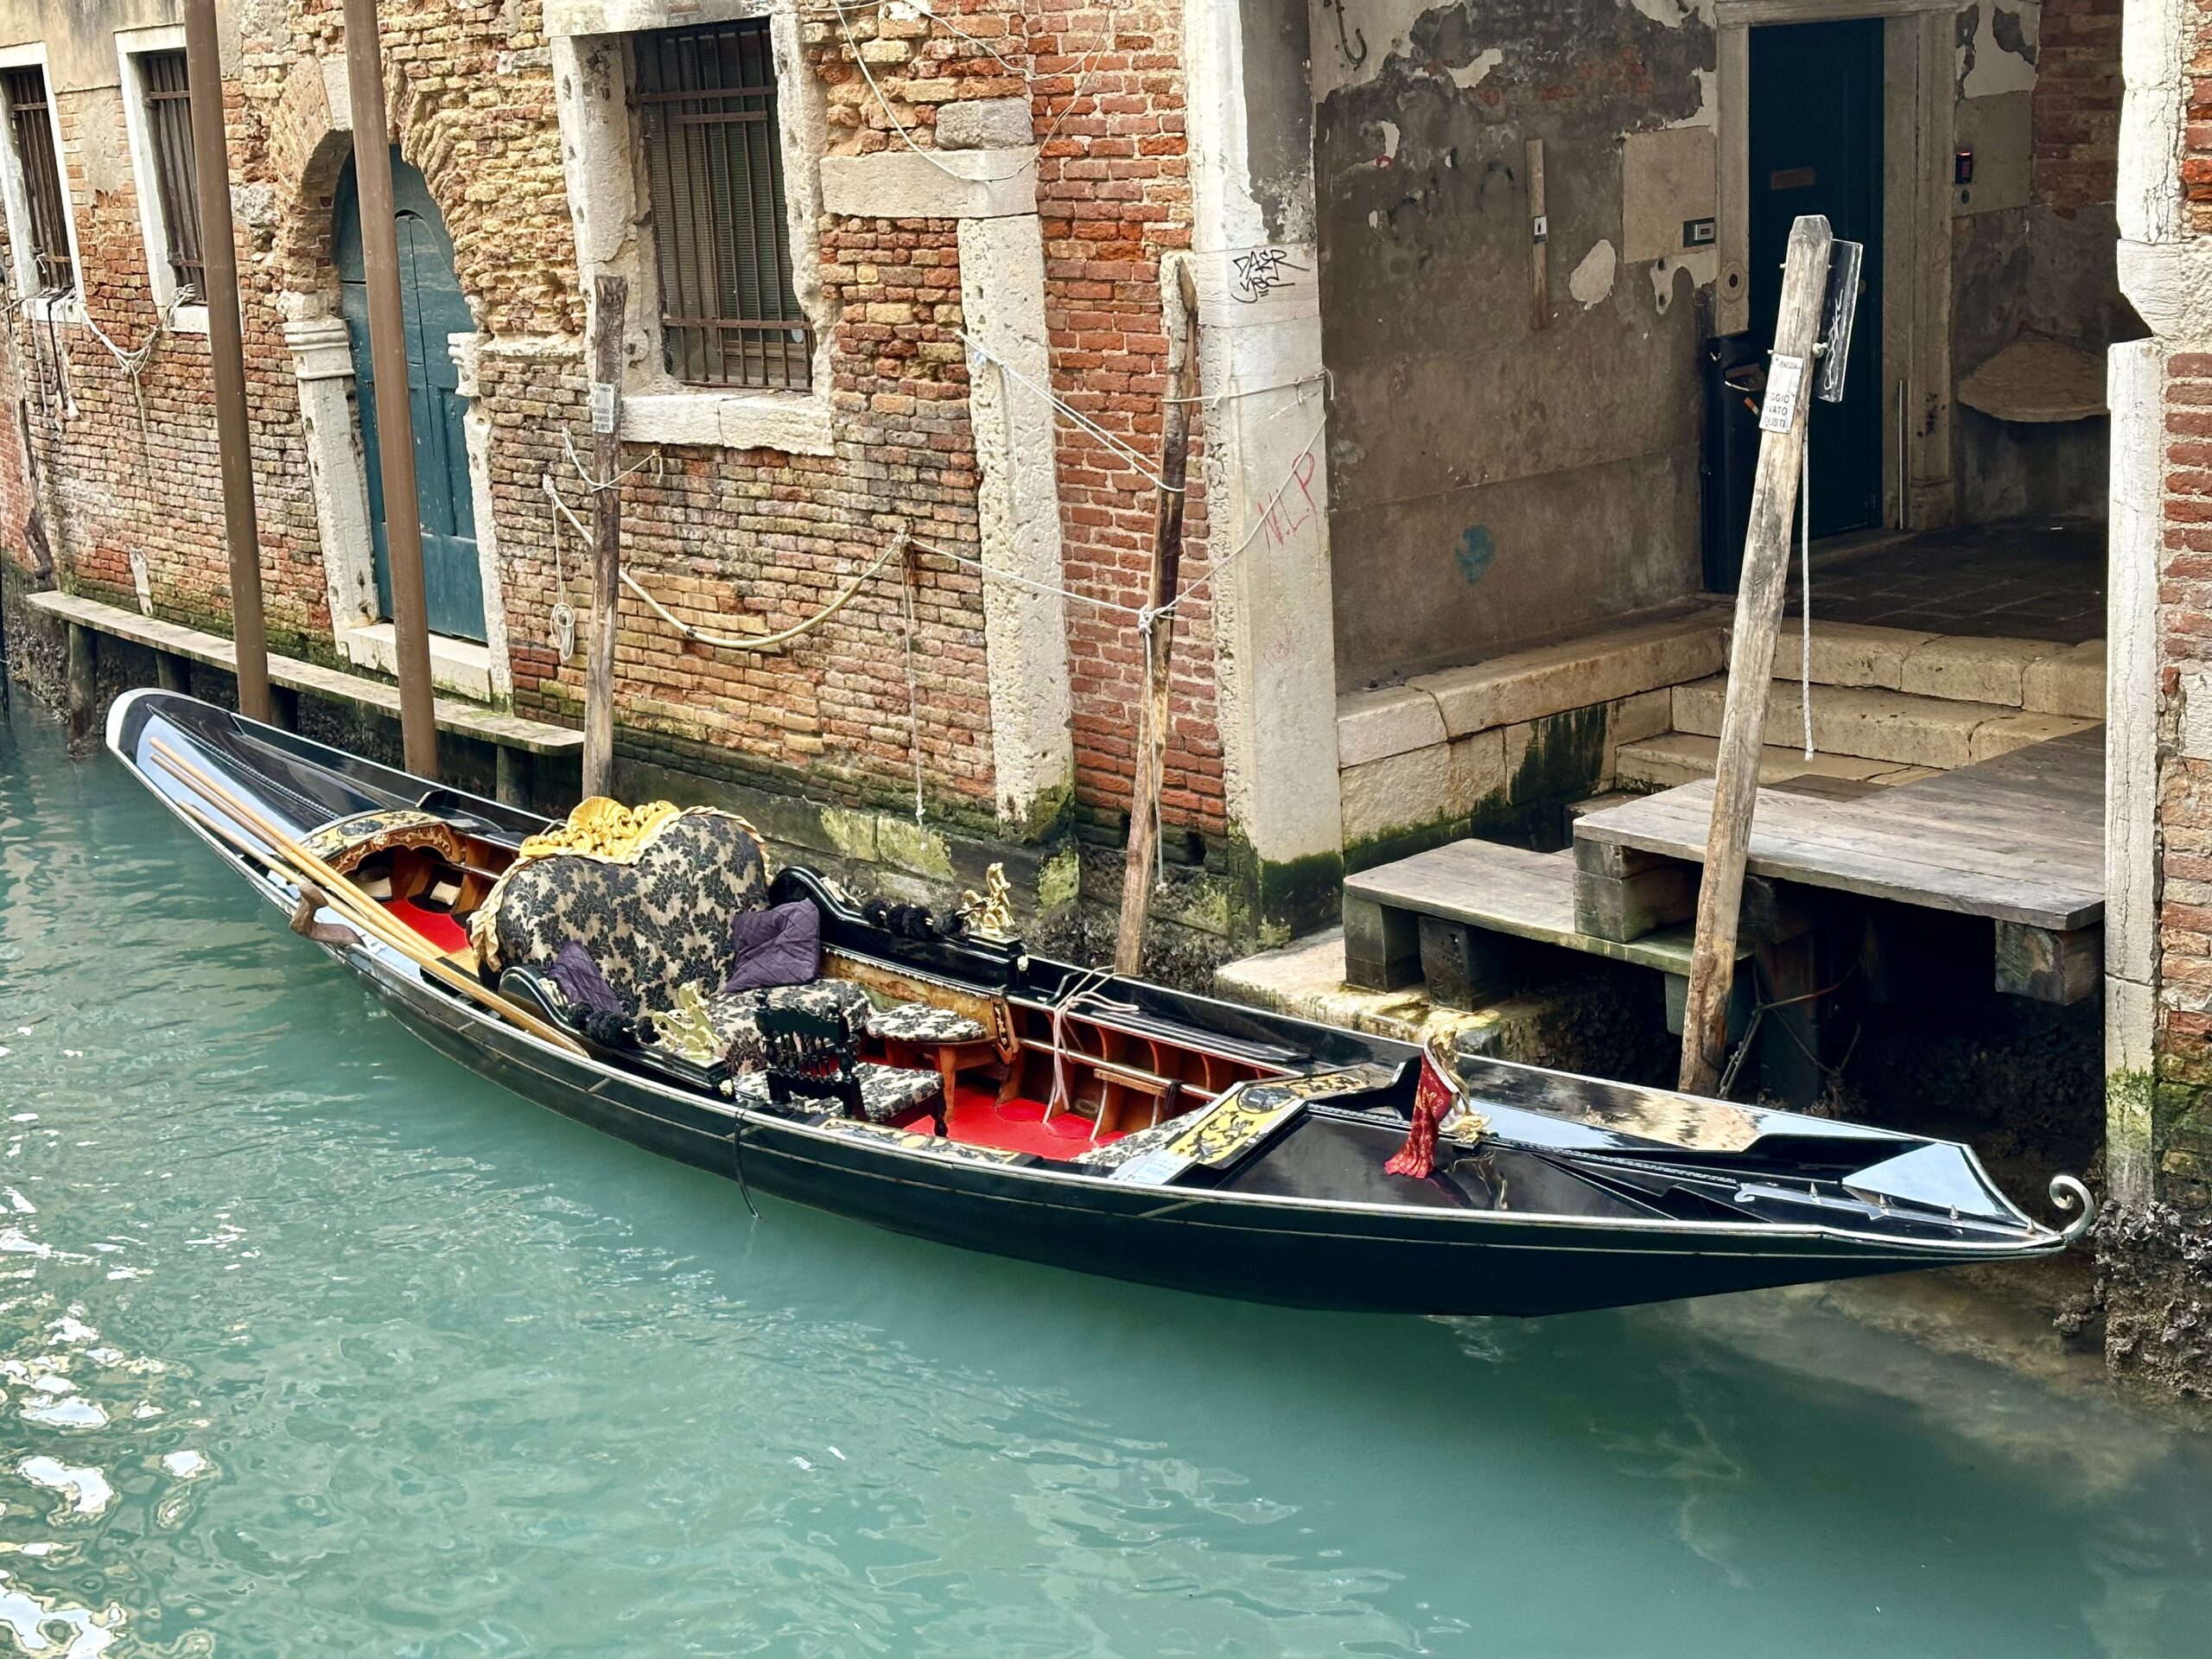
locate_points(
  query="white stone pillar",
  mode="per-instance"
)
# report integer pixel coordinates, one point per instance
(993, 196)
(1267, 503)
(322, 361)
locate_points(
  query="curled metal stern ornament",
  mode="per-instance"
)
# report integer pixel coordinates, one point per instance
(2069, 1194)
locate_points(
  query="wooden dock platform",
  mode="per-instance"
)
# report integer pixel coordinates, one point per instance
(2017, 841)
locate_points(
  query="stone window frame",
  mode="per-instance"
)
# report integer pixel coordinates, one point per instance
(42, 308)
(603, 161)
(130, 45)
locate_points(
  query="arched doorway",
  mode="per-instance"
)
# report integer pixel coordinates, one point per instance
(432, 310)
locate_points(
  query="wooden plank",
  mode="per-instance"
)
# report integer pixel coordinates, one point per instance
(1818, 846)
(1382, 944)
(488, 724)
(1467, 966)
(1628, 907)
(1506, 890)
(2047, 965)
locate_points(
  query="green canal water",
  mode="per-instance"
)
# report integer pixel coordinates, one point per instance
(312, 1344)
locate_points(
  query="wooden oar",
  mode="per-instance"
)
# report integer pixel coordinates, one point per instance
(348, 899)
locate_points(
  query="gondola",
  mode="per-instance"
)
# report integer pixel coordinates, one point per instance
(937, 1079)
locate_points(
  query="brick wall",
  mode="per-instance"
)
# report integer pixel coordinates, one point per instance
(2184, 938)
(2076, 110)
(733, 542)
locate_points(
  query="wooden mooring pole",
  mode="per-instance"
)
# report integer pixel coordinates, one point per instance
(403, 523)
(1166, 573)
(211, 167)
(610, 302)
(1759, 596)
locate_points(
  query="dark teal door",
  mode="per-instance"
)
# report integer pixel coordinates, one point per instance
(1816, 148)
(432, 307)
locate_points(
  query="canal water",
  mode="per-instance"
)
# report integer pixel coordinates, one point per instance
(312, 1344)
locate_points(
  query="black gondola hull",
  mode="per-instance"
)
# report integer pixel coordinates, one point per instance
(1321, 1253)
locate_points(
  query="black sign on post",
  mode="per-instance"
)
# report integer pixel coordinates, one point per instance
(1838, 312)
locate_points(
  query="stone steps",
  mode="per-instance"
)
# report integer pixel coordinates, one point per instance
(2036, 675)
(1903, 728)
(1684, 757)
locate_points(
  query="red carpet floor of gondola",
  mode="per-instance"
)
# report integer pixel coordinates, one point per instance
(1018, 1126)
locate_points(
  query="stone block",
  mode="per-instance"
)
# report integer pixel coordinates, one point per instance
(2071, 683)
(984, 124)
(2009, 732)
(1973, 671)
(1596, 668)
(1420, 787)
(1375, 725)
(1849, 653)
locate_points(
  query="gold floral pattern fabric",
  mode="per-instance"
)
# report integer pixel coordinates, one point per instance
(343, 844)
(655, 915)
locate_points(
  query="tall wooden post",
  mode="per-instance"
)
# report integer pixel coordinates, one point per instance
(1167, 573)
(211, 167)
(1764, 583)
(610, 301)
(402, 525)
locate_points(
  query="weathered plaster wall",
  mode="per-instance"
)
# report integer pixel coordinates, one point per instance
(2032, 237)
(1491, 481)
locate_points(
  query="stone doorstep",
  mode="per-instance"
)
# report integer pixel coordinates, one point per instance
(1898, 726)
(2038, 676)
(461, 666)
(507, 731)
(1529, 685)
(1681, 756)
(1596, 668)
(1306, 980)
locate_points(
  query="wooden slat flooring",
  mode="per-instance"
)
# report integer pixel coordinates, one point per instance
(2019, 838)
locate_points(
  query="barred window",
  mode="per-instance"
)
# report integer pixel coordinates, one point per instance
(31, 125)
(175, 185)
(705, 100)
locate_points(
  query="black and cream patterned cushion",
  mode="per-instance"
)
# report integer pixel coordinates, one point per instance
(887, 1092)
(923, 1022)
(652, 924)
(735, 1014)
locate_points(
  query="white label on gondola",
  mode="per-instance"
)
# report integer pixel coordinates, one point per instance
(1785, 384)
(1155, 1169)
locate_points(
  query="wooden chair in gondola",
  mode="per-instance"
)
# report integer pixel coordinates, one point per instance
(813, 1055)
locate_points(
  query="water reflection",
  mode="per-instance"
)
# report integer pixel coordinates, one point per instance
(311, 1344)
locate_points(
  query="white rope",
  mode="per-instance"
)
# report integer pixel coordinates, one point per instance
(725, 642)
(979, 354)
(133, 363)
(655, 461)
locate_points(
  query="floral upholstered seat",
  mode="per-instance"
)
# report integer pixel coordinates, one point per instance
(654, 914)
(735, 1014)
(924, 1022)
(887, 1093)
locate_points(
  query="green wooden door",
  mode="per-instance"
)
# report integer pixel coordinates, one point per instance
(432, 310)
(1816, 148)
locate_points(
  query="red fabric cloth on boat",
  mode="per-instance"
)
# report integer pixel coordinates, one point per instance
(434, 925)
(1432, 1099)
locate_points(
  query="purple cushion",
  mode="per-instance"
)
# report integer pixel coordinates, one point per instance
(781, 945)
(580, 980)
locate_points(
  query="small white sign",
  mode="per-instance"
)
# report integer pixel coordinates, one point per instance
(602, 407)
(1785, 385)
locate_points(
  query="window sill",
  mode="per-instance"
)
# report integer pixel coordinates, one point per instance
(54, 307)
(797, 422)
(189, 319)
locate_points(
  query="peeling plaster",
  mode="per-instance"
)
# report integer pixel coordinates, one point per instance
(1475, 74)
(1389, 130)
(1999, 54)
(1673, 13)
(1708, 101)
(1594, 278)
(1704, 268)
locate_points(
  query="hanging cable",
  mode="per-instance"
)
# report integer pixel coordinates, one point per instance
(979, 353)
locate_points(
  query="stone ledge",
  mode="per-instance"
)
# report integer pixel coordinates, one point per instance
(1596, 668)
(507, 731)
(1376, 725)
(949, 184)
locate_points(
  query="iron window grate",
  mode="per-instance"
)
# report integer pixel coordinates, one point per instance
(32, 126)
(706, 102)
(169, 120)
